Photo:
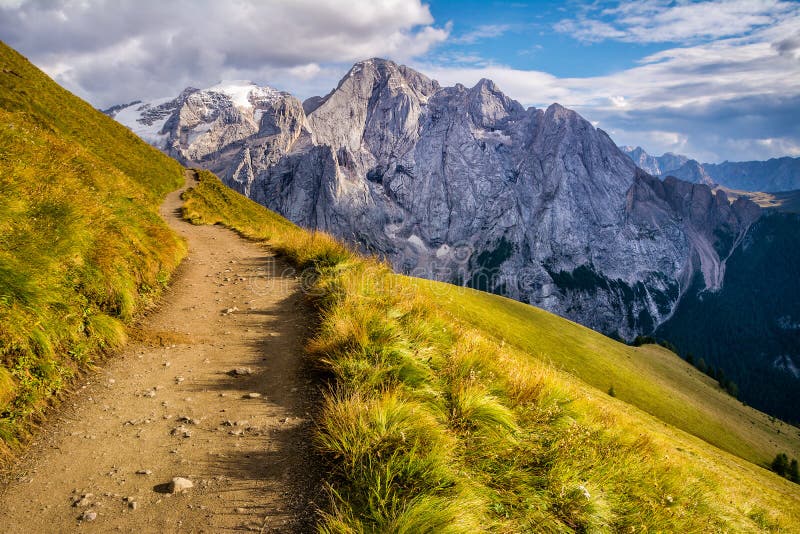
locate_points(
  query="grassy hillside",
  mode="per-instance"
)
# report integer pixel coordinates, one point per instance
(782, 201)
(649, 377)
(81, 245)
(448, 410)
(451, 410)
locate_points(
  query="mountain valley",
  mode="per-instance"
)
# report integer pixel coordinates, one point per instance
(462, 185)
(466, 186)
(177, 357)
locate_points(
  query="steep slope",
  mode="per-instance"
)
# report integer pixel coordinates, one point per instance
(713, 225)
(251, 460)
(454, 410)
(462, 185)
(751, 327)
(650, 377)
(742, 325)
(82, 248)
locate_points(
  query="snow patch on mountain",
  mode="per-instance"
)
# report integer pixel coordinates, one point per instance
(151, 131)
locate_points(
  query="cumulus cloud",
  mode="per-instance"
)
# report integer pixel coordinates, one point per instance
(112, 52)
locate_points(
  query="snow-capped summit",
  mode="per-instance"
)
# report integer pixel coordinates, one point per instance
(199, 122)
(549, 209)
(244, 93)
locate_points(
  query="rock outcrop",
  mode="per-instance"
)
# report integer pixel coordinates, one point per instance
(463, 185)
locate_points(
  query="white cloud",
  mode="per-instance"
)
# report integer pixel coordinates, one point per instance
(732, 98)
(655, 21)
(618, 101)
(485, 31)
(588, 30)
(112, 52)
(305, 72)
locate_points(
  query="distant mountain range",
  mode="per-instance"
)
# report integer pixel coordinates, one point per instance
(773, 175)
(467, 186)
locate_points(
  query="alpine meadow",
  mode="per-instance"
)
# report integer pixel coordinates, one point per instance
(372, 292)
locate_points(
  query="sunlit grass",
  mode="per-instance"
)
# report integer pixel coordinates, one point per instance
(439, 420)
(82, 247)
(447, 410)
(649, 377)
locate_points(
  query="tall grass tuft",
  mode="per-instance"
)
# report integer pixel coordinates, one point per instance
(433, 424)
(82, 247)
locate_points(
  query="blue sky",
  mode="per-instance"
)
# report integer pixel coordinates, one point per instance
(713, 79)
(522, 35)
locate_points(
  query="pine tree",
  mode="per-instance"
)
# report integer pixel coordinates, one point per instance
(780, 464)
(721, 378)
(701, 365)
(793, 473)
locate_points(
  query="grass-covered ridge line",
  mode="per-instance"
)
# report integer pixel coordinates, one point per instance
(649, 377)
(82, 247)
(434, 424)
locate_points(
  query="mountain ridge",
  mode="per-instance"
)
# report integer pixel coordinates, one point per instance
(771, 176)
(441, 420)
(463, 185)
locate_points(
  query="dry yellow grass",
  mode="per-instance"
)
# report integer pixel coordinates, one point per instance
(454, 411)
(82, 247)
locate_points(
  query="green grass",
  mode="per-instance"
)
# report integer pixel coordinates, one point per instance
(649, 377)
(82, 247)
(448, 410)
(451, 410)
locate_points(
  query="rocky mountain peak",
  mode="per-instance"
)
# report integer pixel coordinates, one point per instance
(376, 75)
(375, 95)
(657, 165)
(563, 123)
(465, 185)
(557, 112)
(691, 171)
(488, 105)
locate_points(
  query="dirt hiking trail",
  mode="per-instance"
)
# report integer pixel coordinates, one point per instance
(213, 388)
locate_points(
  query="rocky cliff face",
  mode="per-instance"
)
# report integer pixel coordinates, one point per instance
(712, 224)
(463, 185)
